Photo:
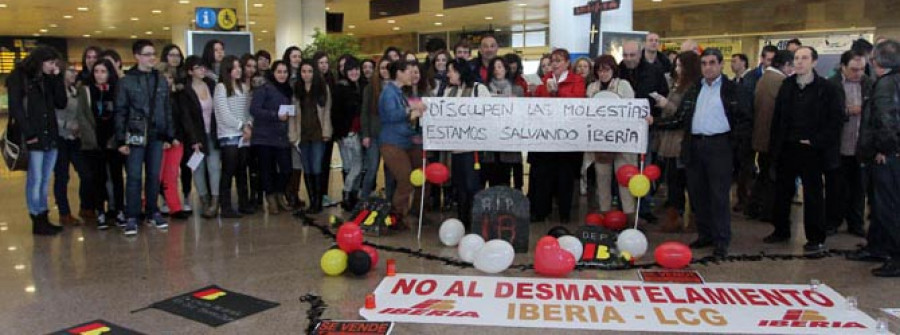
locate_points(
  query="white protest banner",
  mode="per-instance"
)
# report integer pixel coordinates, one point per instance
(615, 305)
(535, 124)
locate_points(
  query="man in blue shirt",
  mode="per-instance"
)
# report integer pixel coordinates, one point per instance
(717, 120)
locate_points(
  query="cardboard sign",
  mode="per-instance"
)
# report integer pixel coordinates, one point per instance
(373, 215)
(615, 305)
(333, 327)
(535, 124)
(97, 327)
(502, 213)
(214, 306)
(599, 247)
(671, 276)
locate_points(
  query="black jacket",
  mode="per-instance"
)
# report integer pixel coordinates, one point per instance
(866, 84)
(736, 110)
(133, 95)
(192, 117)
(879, 131)
(827, 121)
(346, 108)
(662, 62)
(646, 79)
(44, 95)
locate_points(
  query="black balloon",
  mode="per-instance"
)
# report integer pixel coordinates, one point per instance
(558, 231)
(359, 263)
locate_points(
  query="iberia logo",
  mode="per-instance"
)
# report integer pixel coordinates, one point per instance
(91, 329)
(210, 294)
(432, 307)
(805, 318)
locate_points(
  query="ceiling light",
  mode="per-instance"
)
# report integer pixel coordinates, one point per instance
(67, 17)
(350, 34)
(166, 28)
(439, 15)
(351, 26)
(156, 11)
(265, 31)
(82, 9)
(657, 0)
(2, 5)
(97, 31)
(20, 267)
(134, 19)
(43, 30)
(523, 5)
(35, 34)
(438, 23)
(14, 248)
(488, 17)
(258, 5)
(327, 9)
(112, 27)
(184, 2)
(86, 35)
(148, 33)
(54, 25)
(498, 29)
(30, 289)
(396, 28)
(252, 22)
(133, 36)
(392, 21)
(259, 39)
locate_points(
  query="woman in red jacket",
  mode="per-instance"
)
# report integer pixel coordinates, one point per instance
(553, 174)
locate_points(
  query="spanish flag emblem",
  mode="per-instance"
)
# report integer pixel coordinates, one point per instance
(210, 294)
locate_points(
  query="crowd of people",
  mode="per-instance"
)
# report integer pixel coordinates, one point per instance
(255, 127)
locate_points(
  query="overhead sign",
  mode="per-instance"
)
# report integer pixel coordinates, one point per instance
(224, 19)
(615, 305)
(535, 124)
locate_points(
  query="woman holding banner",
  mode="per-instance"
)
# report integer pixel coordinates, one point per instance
(461, 84)
(553, 174)
(609, 86)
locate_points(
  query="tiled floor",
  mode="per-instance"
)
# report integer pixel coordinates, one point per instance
(48, 283)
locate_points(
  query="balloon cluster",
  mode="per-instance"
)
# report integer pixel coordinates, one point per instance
(638, 183)
(493, 256)
(351, 254)
(614, 220)
(435, 173)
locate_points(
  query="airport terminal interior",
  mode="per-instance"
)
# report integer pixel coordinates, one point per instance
(335, 254)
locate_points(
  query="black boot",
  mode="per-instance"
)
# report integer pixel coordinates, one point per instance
(46, 217)
(314, 191)
(245, 202)
(346, 203)
(226, 210)
(39, 227)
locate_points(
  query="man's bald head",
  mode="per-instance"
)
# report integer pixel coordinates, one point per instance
(631, 54)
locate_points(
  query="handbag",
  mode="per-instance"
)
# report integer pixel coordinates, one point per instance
(15, 153)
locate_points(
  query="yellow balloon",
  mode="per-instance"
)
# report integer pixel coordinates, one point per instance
(639, 185)
(334, 262)
(417, 178)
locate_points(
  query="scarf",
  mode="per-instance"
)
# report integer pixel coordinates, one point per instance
(501, 87)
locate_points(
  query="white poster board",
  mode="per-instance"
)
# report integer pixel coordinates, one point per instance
(616, 305)
(535, 124)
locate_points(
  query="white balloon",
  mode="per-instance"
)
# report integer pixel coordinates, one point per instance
(572, 245)
(495, 256)
(633, 241)
(469, 245)
(452, 230)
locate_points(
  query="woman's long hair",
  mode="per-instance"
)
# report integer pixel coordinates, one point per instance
(209, 52)
(317, 88)
(690, 71)
(284, 88)
(110, 69)
(225, 77)
(33, 65)
(377, 83)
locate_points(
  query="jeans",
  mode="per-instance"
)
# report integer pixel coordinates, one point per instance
(311, 154)
(113, 180)
(371, 161)
(351, 160)
(210, 167)
(274, 167)
(69, 151)
(37, 180)
(139, 157)
(171, 166)
(885, 202)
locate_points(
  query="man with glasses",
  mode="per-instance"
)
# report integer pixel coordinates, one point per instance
(143, 130)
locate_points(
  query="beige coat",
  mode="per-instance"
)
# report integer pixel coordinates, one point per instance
(324, 119)
(764, 107)
(669, 145)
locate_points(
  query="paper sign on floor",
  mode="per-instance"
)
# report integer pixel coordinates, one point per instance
(671, 276)
(336, 327)
(615, 305)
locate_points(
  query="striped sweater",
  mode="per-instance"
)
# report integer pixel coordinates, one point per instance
(232, 113)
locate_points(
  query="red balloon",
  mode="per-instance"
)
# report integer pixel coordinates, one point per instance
(615, 220)
(673, 255)
(547, 242)
(594, 219)
(373, 254)
(349, 237)
(624, 174)
(652, 172)
(437, 173)
(551, 260)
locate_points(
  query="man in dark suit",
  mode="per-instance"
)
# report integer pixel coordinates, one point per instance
(716, 119)
(806, 133)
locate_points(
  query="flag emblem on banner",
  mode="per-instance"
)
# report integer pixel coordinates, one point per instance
(441, 305)
(805, 318)
(96, 328)
(210, 294)
(803, 315)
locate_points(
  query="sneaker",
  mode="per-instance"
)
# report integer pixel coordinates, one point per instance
(158, 221)
(120, 220)
(164, 208)
(131, 228)
(326, 201)
(187, 208)
(101, 222)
